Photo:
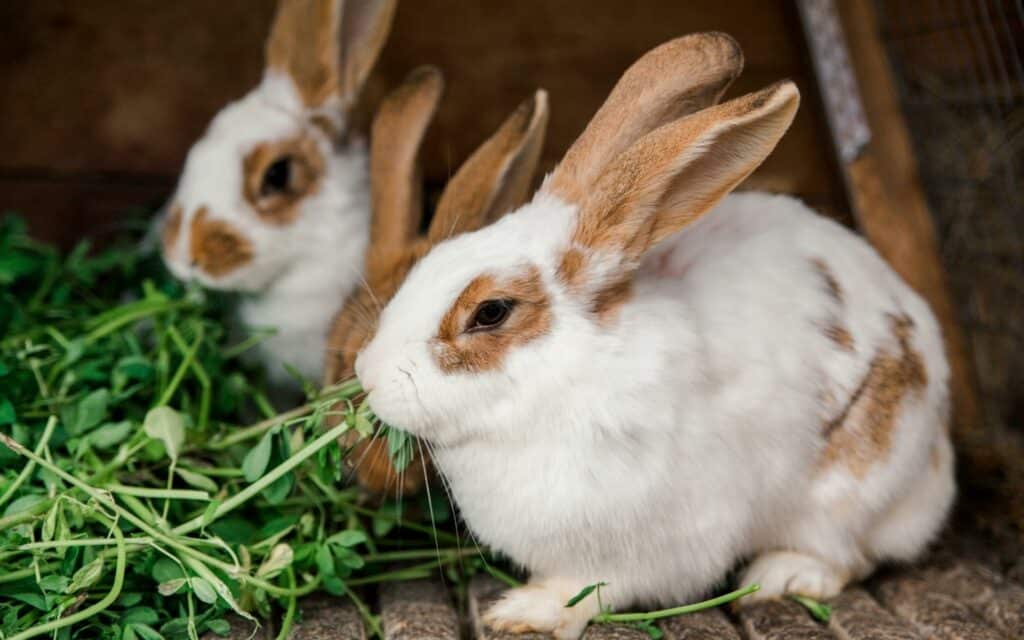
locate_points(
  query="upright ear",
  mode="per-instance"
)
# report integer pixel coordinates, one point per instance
(397, 134)
(677, 78)
(675, 174)
(364, 30)
(498, 176)
(327, 47)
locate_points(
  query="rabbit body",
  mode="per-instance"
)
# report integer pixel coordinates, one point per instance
(691, 433)
(638, 380)
(721, 417)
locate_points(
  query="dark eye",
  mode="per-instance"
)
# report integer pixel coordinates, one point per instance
(277, 177)
(490, 314)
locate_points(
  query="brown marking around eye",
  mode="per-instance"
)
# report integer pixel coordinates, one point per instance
(307, 168)
(172, 226)
(458, 351)
(861, 434)
(215, 246)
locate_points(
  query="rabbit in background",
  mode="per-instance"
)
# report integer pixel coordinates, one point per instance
(274, 199)
(495, 179)
(641, 380)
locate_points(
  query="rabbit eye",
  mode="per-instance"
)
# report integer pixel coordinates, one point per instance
(490, 314)
(277, 177)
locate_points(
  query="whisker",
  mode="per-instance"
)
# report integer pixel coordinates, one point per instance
(430, 507)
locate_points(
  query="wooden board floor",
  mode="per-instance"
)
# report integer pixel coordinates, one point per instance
(968, 588)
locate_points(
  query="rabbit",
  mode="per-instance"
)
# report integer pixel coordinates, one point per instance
(634, 379)
(273, 201)
(495, 179)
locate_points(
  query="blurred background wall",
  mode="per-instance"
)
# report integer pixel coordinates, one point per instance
(102, 98)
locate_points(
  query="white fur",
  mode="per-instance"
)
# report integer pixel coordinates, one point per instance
(655, 451)
(301, 270)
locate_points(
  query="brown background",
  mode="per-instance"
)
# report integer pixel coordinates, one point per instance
(102, 98)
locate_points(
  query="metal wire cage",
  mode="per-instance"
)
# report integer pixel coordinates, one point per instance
(960, 75)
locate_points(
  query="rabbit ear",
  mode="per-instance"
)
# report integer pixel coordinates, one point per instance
(364, 30)
(327, 47)
(398, 129)
(672, 176)
(497, 177)
(679, 77)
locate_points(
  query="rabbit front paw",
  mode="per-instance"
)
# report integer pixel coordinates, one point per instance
(540, 607)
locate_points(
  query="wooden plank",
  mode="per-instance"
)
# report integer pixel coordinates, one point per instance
(417, 610)
(325, 617)
(781, 620)
(937, 615)
(890, 205)
(703, 625)
(999, 602)
(857, 616)
(614, 632)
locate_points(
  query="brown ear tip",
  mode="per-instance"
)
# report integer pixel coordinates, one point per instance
(783, 91)
(531, 112)
(787, 90)
(426, 75)
(539, 106)
(713, 48)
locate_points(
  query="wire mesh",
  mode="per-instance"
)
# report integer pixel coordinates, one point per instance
(960, 73)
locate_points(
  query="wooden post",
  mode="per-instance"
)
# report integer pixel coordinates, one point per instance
(890, 206)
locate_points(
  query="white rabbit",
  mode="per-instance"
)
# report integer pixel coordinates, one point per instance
(760, 385)
(273, 202)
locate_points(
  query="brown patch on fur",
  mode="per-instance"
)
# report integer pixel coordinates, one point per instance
(862, 432)
(307, 168)
(839, 335)
(458, 351)
(215, 246)
(304, 43)
(172, 226)
(327, 126)
(570, 268)
(610, 299)
(831, 284)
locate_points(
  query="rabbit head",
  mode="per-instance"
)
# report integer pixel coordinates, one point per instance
(495, 179)
(487, 322)
(273, 177)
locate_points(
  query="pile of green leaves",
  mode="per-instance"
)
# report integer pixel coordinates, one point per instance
(134, 505)
(132, 502)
